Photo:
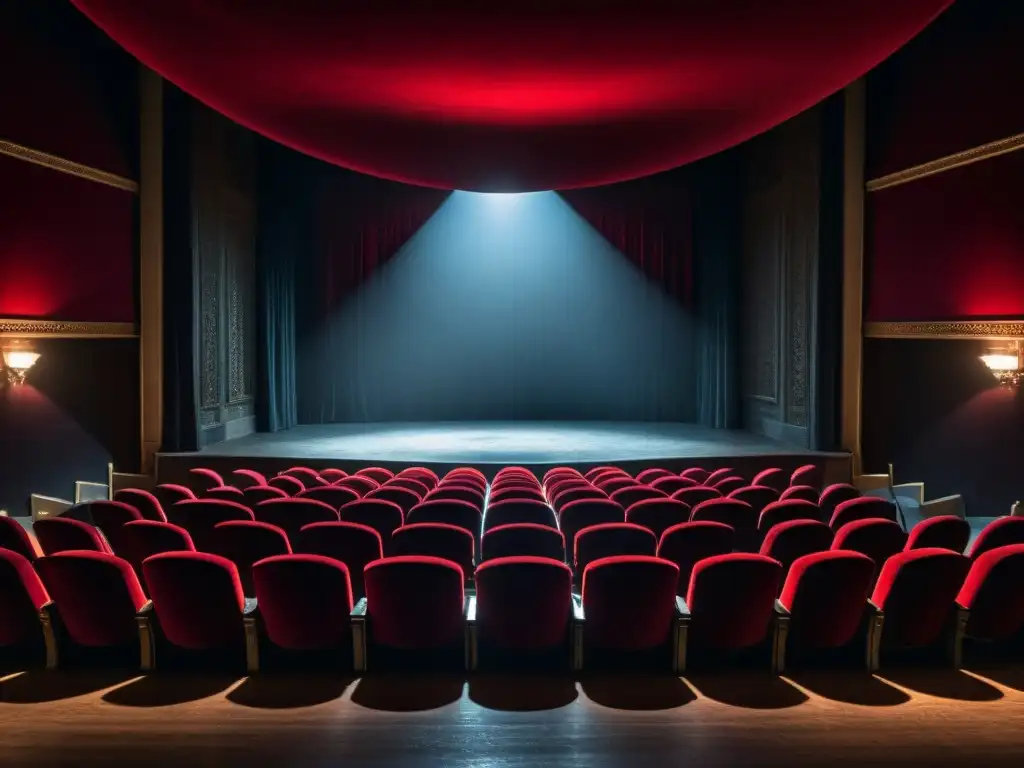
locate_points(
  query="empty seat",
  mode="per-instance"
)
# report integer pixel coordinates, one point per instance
(470, 473)
(697, 474)
(518, 511)
(658, 515)
(994, 594)
(629, 496)
(169, 494)
(292, 515)
(523, 539)
(413, 484)
(22, 599)
(806, 475)
(833, 496)
(403, 497)
(687, 544)
(353, 544)
(555, 472)
(695, 495)
(787, 509)
(719, 474)
(110, 516)
(998, 533)
(610, 540)
(458, 513)
(383, 516)
(649, 475)
(144, 538)
(97, 596)
(228, 492)
(202, 479)
(515, 493)
(436, 540)
(877, 538)
(60, 534)
(944, 531)
(15, 538)
(245, 542)
(737, 514)
(144, 502)
(596, 471)
(426, 476)
(379, 474)
(612, 484)
(254, 494)
(674, 483)
(200, 516)
(801, 492)
(332, 495)
(457, 492)
(727, 485)
(332, 474)
(757, 496)
(247, 478)
(580, 514)
(309, 478)
(863, 508)
(773, 478)
(514, 471)
(565, 496)
(788, 541)
(293, 486)
(359, 484)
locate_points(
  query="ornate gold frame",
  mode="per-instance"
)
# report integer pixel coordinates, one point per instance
(948, 163)
(63, 165)
(64, 329)
(956, 329)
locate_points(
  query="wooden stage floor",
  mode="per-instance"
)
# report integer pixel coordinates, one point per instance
(922, 717)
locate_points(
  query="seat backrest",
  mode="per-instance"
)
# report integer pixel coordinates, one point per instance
(245, 542)
(787, 509)
(998, 533)
(802, 492)
(645, 583)
(353, 544)
(687, 544)
(144, 538)
(146, 503)
(247, 478)
(877, 538)
(518, 511)
(197, 598)
(333, 474)
(792, 539)
(674, 483)
(332, 495)
(757, 496)
(415, 602)
(202, 479)
(22, 597)
(378, 474)
(458, 513)
(630, 495)
(826, 594)
(591, 474)
(16, 538)
(806, 475)
(228, 492)
(446, 542)
(649, 475)
(291, 485)
(427, 477)
(523, 540)
(310, 478)
(403, 497)
(597, 542)
(737, 514)
(97, 596)
(457, 492)
(773, 478)
(657, 515)
(697, 474)
(916, 590)
(994, 595)
(614, 483)
(564, 496)
(305, 601)
(727, 485)
(409, 482)
(519, 472)
(559, 472)
(169, 494)
(695, 495)
(516, 493)
(717, 475)
(732, 599)
(291, 515)
(59, 534)
(198, 517)
(834, 495)
(254, 494)
(358, 483)
(523, 602)
(383, 516)
(862, 508)
(583, 513)
(110, 516)
(944, 531)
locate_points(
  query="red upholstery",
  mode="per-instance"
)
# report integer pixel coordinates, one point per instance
(943, 531)
(719, 474)
(523, 603)
(332, 495)
(672, 484)
(687, 544)
(227, 492)
(147, 504)
(383, 516)
(403, 497)
(169, 494)
(994, 594)
(379, 474)
(447, 542)
(998, 533)
(611, 484)
(694, 495)
(757, 496)
(565, 496)
(788, 541)
(254, 494)
(332, 474)
(737, 514)
(593, 473)
(916, 590)
(629, 602)
(596, 542)
(145, 538)
(732, 600)
(410, 482)
(291, 515)
(200, 516)
(353, 544)
(201, 479)
(560, 485)
(826, 594)
(801, 492)
(290, 485)
(877, 538)
(727, 485)
(197, 598)
(523, 539)
(310, 478)
(649, 475)
(245, 542)
(453, 492)
(247, 478)
(97, 596)
(463, 482)
(773, 478)
(458, 513)
(559, 472)
(22, 596)
(582, 513)
(415, 602)
(863, 508)
(658, 515)
(627, 497)
(806, 475)
(15, 538)
(427, 476)
(305, 601)
(514, 470)
(518, 511)
(471, 472)
(358, 483)
(110, 516)
(59, 534)
(516, 493)
(833, 496)
(787, 509)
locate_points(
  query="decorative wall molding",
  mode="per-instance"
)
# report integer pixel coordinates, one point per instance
(948, 163)
(955, 329)
(63, 165)
(64, 329)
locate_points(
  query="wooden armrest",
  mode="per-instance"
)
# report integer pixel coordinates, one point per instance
(145, 619)
(957, 633)
(780, 636)
(250, 620)
(576, 633)
(48, 620)
(680, 636)
(358, 618)
(471, 655)
(873, 649)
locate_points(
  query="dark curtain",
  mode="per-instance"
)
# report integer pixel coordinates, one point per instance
(716, 247)
(181, 414)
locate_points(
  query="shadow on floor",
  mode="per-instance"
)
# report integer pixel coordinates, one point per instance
(1011, 677)
(165, 690)
(269, 691)
(521, 693)
(38, 685)
(749, 690)
(850, 687)
(942, 683)
(637, 692)
(412, 693)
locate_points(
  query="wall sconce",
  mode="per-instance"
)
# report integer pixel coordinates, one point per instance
(18, 358)
(1005, 364)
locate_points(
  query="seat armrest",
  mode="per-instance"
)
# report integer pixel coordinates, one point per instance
(876, 622)
(359, 618)
(48, 620)
(682, 609)
(780, 637)
(145, 620)
(956, 634)
(250, 619)
(680, 636)
(471, 651)
(250, 608)
(576, 633)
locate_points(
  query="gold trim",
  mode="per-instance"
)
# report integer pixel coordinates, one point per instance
(948, 163)
(64, 329)
(70, 167)
(958, 329)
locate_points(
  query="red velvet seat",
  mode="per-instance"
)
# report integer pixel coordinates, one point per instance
(292, 486)
(695, 495)
(424, 475)
(458, 513)
(806, 475)
(146, 503)
(582, 513)
(737, 514)
(565, 496)
(332, 475)
(612, 484)
(22, 598)
(998, 533)
(591, 474)
(411, 483)
(788, 541)
(454, 492)
(514, 471)
(674, 483)
(310, 478)
(629, 496)
(226, 492)
(332, 495)
(518, 511)
(994, 594)
(944, 531)
(649, 475)
(378, 474)
(834, 495)
(200, 516)
(110, 517)
(697, 474)
(255, 494)
(560, 482)
(467, 483)
(60, 534)
(657, 515)
(731, 600)
(717, 475)
(169, 494)
(687, 544)
(555, 472)
(291, 515)
(523, 539)
(359, 484)
(97, 596)
(727, 485)
(597, 542)
(773, 478)
(245, 542)
(305, 602)
(863, 508)
(403, 497)
(353, 544)
(385, 517)
(144, 538)
(877, 538)
(198, 602)
(515, 493)
(801, 492)
(757, 496)
(467, 473)
(247, 478)
(789, 509)
(15, 538)
(446, 542)
(202, 479)
(917, 592)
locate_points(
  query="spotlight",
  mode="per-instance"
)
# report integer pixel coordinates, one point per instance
(1005, 364)
(18, 358)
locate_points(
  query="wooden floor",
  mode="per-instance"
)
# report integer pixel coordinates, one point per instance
(919, 717)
